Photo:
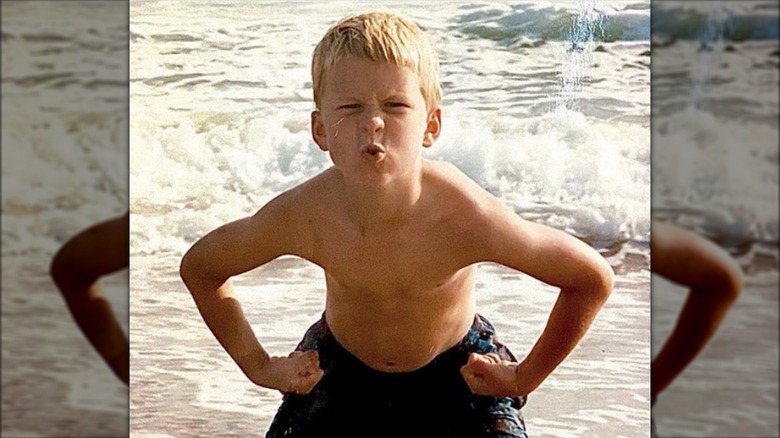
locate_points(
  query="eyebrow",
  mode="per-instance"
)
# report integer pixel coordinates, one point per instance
(395, 95)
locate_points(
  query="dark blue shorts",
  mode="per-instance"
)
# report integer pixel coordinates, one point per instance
(353, 399)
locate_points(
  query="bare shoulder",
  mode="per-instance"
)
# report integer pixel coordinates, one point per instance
(458, 194)
(298, 203)
(314, 192)
(464, 207)
(296, 215)
(494, 232)
(280, 227)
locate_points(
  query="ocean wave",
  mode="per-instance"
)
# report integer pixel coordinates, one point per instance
(555, 22)
(707, 22)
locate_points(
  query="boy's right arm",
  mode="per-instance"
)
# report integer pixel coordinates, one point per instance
(76, 269)
(231, 250)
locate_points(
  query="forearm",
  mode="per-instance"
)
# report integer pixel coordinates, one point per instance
(223, 315)
(572, 315)
(94, 316)
(699, 319)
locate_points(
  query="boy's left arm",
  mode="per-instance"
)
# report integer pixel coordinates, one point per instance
(553, 257)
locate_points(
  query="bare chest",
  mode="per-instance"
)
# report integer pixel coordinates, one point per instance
(399, 262)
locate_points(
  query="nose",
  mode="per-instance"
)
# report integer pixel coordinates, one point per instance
(373, 122)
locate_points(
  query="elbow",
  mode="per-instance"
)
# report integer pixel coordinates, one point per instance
(595, 284)
(188, 273)
(62, 268)
(726, 281)
(603, 281)
(607, 280)
(69, 274)
(195, 274)
(57, 267)
(186, 268)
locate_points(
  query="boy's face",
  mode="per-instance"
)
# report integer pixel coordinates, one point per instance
(373, 119)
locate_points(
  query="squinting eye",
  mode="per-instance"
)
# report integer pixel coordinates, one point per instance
(397, 105)
(350, 106)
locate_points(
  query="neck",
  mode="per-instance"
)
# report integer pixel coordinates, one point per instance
(383, 203)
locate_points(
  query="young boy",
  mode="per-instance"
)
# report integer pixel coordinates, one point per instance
(400, 350)
(714, 280)
(76, 268)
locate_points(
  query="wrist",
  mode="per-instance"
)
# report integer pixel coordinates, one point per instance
(522, 387)
(254, 365)
(527, 378)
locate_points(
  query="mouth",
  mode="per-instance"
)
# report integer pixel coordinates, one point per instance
(374, 152)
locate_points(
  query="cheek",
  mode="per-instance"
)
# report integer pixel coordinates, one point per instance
(415, 131)
(338, 127)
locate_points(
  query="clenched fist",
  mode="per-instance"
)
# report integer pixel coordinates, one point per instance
(297, 373)
(488, 374)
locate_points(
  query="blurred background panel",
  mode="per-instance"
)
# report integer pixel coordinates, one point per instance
(64, 168)
(715, 172)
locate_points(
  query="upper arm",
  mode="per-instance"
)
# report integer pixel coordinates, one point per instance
(547, 254)
(94, 252)
(245, 244)
(691, 260)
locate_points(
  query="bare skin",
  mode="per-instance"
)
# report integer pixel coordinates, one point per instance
(397, 237)
(714, 280)
(76, 269)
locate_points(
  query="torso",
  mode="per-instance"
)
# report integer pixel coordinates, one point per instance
(399, 296)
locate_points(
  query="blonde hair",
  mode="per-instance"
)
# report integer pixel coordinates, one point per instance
(379, 36)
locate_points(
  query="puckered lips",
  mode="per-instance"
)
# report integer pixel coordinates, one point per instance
(374, 152)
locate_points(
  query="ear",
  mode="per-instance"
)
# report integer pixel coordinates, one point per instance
(318, 132)
(433, 129)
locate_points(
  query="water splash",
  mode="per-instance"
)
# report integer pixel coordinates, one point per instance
(587, 27)
(711, 37)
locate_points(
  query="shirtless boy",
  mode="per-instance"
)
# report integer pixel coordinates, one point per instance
(714, 280)
(76, 270)
(400, 350)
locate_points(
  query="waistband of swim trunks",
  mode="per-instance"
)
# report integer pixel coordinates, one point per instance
(457, 353)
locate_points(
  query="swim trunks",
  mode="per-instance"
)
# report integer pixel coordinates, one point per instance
(353, 399)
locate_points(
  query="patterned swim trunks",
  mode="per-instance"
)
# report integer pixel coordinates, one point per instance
(353, 399)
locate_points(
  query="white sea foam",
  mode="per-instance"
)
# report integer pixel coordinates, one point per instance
(221, 134)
